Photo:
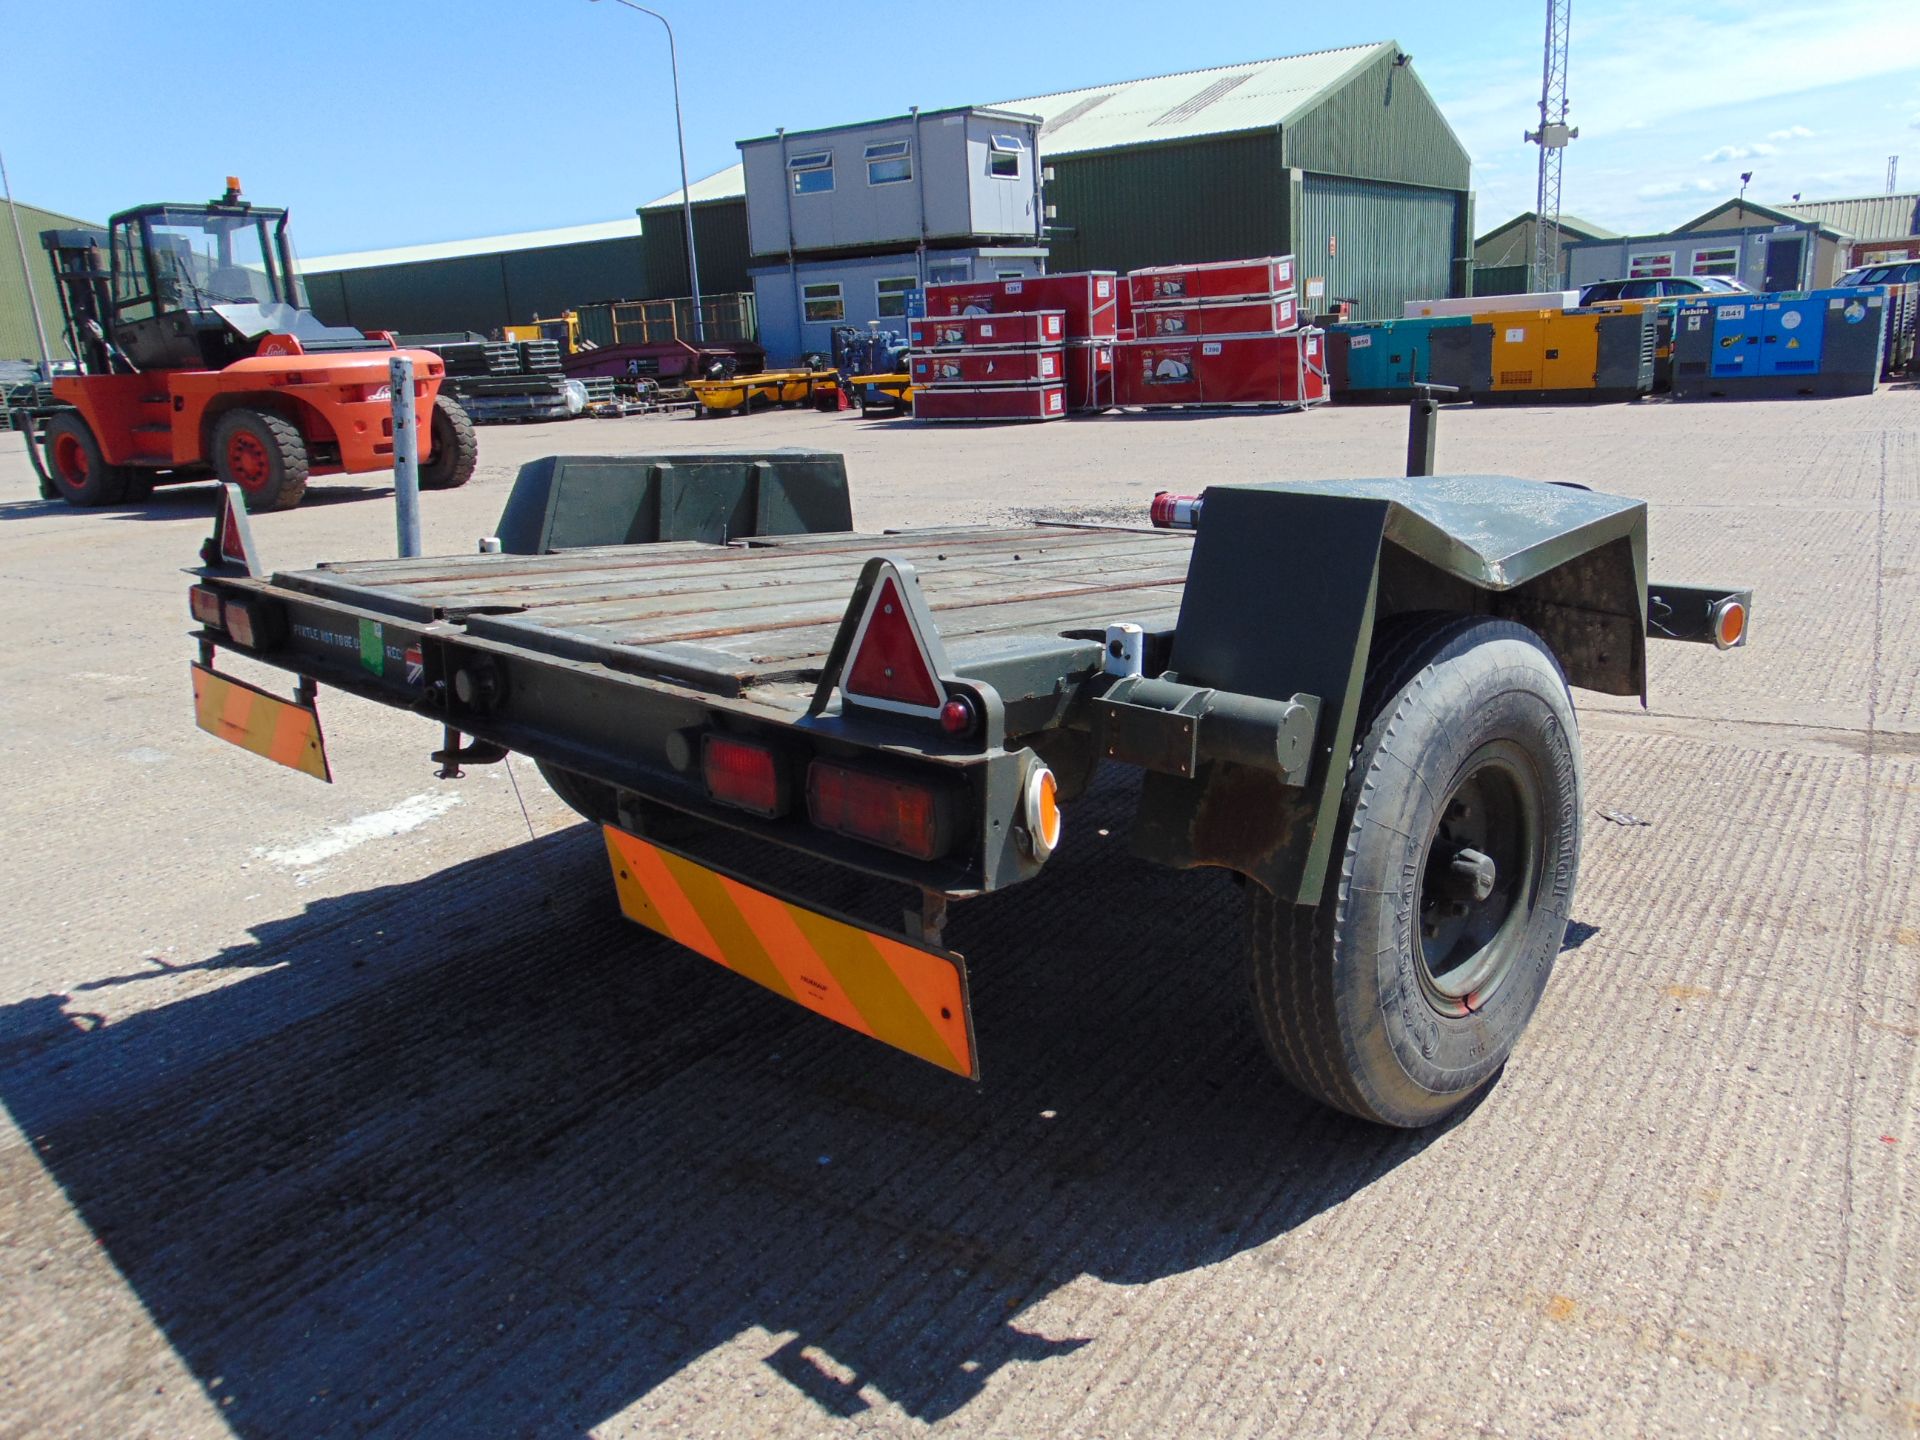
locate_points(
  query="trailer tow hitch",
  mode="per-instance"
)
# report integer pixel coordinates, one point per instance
(452, 754)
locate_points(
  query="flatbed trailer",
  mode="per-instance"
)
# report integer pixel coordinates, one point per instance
(1353, 693)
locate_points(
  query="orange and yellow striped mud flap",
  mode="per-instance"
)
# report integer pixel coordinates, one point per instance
(904, 995)
(242, 715)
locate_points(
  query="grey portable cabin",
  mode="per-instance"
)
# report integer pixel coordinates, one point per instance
(925, 177)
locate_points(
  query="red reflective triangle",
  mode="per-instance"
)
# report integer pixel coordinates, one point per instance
(889, 662)
(233, 543)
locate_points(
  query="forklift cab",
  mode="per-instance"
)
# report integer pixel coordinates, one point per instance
(195, 287)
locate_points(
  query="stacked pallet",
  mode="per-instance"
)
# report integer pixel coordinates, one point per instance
(1222, 333)
(990, 366)
(1090, 303)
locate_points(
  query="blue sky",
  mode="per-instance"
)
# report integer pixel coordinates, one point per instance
(417, 120)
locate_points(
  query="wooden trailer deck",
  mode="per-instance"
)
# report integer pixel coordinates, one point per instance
(735, 617)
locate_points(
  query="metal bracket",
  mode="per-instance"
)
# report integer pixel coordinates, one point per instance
(1162, 725)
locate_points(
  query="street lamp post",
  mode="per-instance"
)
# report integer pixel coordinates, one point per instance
(686, 198)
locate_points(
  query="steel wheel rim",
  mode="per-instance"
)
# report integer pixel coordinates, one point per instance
(70, 459)
(246, 460)
(1466, 944)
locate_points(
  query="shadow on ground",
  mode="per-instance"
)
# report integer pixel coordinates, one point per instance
(474, 1156)
(195, 501)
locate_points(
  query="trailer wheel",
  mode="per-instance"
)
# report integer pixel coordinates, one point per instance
(590, 799)
(80, 471)
(455, 448)
(264, 455)
(1402, 992)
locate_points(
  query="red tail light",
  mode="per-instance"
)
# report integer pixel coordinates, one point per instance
(205, 604)
(889, 663)
(745, 775)
(898, 814)
(255, 622)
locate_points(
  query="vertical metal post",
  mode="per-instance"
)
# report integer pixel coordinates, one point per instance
(1420, 435)
(26, 274)
(406, 455)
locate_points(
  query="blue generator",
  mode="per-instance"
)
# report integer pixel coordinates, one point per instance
(1814, 342)
(1383, 359)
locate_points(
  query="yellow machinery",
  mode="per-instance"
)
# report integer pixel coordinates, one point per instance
(1585, 353)
(740, 393)
(565, 329)
(883, 392)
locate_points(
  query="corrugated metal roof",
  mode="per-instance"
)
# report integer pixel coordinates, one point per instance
(1224, 100)
(479, 245)
(1869, 217)
(727, 184)
(1571, 224)
(1253, 95)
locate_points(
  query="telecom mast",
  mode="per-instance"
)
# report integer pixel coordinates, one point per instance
(1552, 138)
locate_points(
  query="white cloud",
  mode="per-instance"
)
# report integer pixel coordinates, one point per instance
(1740, 152)
(1665, 189)
(1792, 132)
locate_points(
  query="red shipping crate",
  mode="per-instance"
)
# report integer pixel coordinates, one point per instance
(988, 367)
(1090, 376)
(1088, 298)
(932, 332)
(1231, 317)
(991, 402)
(1232, 370)
(1216, 280)
(1157, 372)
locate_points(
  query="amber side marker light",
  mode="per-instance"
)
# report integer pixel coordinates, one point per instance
(1043, 811)
(1729, 624)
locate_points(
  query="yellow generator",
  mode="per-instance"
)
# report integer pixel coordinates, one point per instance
(565, 329)
(1549, 355)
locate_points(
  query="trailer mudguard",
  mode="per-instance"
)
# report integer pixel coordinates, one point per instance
(1286, 585)
(564, 502)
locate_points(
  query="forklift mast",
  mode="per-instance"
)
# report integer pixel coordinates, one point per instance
(82, 279)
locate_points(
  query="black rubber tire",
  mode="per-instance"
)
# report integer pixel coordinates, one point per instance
(1352, 1013)
(590, 799)
(277, 477)
(455, 447)
(81, 474)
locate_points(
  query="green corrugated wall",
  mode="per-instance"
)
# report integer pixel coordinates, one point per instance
(1377, 245)
(1381, 125)
(17, 341)
(1376, 160)
(720, 233)
(1220, 198)
(484, 292)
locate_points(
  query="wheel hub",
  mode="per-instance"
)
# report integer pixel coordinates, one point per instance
(247, 461)
(1477, 878)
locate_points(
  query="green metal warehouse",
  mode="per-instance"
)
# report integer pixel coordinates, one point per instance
(17, 338)
(1339, 157)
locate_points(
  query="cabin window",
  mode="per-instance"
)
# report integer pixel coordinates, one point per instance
(889, 162)
(891, 294)
(812, 172)
(822, 302)
(1003, 157)
(1655, 265)
(1722, 261)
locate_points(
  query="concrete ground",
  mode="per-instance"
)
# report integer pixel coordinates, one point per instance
(357, 1109)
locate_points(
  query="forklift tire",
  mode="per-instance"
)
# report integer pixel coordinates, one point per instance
(455, 448)
(1400, 995)
(264, 455)
(80, 471)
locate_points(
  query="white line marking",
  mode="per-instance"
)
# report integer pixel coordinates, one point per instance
(409, 814)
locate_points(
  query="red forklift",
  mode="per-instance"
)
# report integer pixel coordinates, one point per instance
(198, 357)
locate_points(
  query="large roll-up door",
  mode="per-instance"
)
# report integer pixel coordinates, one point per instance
(1377, 244)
